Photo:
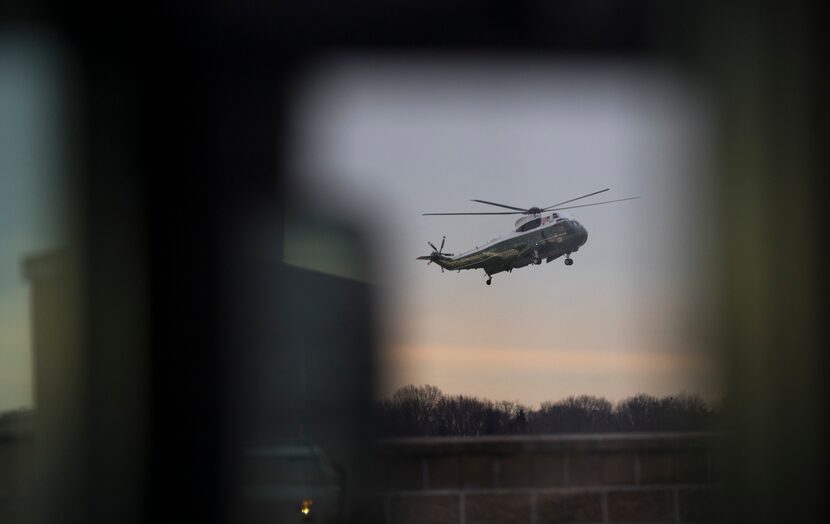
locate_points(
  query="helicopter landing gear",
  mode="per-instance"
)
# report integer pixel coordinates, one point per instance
(489, 280)
(568, 260)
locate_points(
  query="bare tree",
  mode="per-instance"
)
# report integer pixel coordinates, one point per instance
(638, 413)
(425, 410)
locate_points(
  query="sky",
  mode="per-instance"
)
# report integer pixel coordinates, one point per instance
(380, 140)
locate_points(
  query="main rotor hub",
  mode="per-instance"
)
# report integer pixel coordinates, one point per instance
(535, 211)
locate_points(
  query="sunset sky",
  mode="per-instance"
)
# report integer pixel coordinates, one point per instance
(380, 141)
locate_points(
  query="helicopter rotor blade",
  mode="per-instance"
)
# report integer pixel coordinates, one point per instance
(490, 213)
(433, 246)
(500, 205)
(442, 244)
(595, 203)
(549, 208)
(534, 210)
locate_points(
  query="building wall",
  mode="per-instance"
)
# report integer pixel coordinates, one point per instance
(650, 477)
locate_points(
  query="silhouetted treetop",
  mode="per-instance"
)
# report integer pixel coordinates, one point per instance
(425, 410)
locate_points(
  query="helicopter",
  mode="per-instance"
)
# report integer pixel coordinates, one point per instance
(537, 236)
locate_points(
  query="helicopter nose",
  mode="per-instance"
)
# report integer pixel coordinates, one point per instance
(583, 235)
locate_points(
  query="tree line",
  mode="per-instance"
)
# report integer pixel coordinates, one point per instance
(426, 411)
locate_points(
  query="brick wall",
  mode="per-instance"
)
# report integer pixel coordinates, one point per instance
(649, 477)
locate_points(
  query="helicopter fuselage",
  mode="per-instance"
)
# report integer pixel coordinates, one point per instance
(535, 239)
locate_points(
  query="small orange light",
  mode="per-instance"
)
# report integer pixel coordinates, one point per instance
(305, 509)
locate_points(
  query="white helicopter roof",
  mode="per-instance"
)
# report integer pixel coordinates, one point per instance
(528, 218)
(545, 220)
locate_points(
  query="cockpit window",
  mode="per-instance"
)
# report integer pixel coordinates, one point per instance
(527, 226)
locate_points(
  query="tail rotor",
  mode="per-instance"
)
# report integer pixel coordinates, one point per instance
(436, 252)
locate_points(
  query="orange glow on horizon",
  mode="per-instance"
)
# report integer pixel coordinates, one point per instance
(535, 375)
(574, 361)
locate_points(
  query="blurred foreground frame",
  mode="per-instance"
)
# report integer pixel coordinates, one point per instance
(176, 292)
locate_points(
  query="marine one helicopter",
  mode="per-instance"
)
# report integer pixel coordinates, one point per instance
(537, 236)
